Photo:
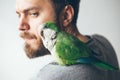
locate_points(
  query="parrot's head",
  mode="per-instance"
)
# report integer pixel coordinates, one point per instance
(48, 32)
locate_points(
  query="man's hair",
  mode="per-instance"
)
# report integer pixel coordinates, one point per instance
(60, 4)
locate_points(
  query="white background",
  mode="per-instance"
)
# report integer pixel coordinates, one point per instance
(95, 17)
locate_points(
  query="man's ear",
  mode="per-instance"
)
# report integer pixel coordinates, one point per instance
(68, 14)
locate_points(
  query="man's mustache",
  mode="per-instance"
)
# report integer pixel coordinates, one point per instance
(27, 35)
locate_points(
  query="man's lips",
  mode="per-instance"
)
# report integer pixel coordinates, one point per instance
(29, 40)
(27, 36)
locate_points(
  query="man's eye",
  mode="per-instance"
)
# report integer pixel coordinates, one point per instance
(18, 15)
(34, 14)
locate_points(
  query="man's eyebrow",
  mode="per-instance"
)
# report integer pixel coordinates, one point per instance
(29, 9)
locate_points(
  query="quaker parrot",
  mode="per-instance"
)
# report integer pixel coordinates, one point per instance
(67, 49)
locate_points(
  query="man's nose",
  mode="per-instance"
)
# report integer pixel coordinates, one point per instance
(23, 24)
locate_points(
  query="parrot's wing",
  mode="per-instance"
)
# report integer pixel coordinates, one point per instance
(69, 47)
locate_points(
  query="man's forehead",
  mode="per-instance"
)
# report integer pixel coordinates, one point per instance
(32, 1)
(26, 4)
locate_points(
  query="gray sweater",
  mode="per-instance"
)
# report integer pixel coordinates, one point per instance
(101, 48)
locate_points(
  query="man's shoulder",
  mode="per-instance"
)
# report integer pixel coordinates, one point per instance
(102, 49)
(98, 40)
(53, 71)
(99, 45)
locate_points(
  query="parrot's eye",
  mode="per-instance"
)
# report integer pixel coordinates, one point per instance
(41, 33)
(53, 37)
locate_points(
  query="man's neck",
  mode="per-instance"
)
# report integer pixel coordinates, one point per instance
(74, 31)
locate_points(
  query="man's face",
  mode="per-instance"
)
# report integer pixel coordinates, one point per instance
(32, 13)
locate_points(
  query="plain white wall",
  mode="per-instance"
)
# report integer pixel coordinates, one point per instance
(101, 17)
(96, 16)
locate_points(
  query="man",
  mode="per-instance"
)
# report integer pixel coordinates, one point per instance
(64, 13)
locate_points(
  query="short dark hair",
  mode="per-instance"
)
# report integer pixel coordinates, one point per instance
(60, 4)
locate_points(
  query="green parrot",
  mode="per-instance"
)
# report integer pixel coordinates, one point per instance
(67, 49)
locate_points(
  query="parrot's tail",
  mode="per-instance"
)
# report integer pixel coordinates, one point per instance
(97, 63)
(105, 66)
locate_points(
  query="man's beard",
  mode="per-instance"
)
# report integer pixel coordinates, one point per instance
(30, 52)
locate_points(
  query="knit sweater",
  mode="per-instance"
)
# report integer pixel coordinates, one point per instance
(101, 48)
